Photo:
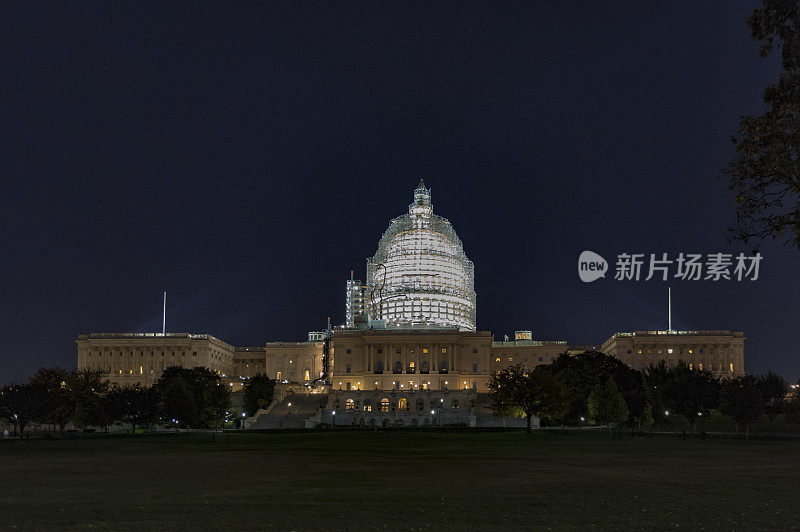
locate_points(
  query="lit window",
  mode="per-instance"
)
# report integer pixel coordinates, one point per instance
(402, 404)
(497, 359)
(731, 367)
(425, 350)
(384, 405)
(669, 350)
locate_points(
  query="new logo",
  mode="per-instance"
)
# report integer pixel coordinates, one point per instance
(591, 266)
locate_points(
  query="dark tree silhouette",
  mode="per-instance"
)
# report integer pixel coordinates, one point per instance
(517, 392)
(22, 404)
(606, 405)
(134, 405)
(773, 389)
(257, 393)
(741, 400)
(582, 372)
(765, 172)
(195, 398)
(53, 381)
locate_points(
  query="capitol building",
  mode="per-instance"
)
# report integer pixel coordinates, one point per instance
(409, 352)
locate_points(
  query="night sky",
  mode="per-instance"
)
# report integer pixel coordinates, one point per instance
(246, 157)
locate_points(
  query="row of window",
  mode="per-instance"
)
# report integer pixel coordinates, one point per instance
(499, 359)
(679, 350)
(397, 385)
(141, 353)
(410, 351)
(385, 405)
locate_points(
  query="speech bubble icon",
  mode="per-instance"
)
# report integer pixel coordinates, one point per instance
(591, 266)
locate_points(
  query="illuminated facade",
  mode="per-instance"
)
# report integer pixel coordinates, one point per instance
(720, 352)
(419, 276)
(408, 353)
(139, 358)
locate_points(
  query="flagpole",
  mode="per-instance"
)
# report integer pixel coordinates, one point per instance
(669, 293)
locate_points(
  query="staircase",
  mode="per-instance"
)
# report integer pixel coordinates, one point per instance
(290, 412)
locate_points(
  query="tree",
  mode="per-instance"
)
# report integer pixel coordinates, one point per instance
(606, 404)
(773, 389)
(647, 420)
(741, 399)
(88, 389)
(689, 392)
(765, 171)
(257, 393)
(23, 404)
(517, 392)
(194, 398)
(134, 405)
(61, 403)
(657, 378)
(583, 372)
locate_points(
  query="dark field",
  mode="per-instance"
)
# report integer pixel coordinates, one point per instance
(399, 480)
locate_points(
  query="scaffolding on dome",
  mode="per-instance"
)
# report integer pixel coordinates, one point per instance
(419, 275)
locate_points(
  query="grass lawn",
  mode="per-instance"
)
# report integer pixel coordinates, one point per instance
(406, 480)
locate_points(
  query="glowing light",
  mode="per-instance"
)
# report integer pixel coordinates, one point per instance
(420, 274)
(431, 412)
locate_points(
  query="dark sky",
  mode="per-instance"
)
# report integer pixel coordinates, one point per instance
(244, 158)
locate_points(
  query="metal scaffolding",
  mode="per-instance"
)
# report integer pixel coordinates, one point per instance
(419, 274)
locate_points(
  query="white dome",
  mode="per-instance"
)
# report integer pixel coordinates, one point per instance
(420, 274)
